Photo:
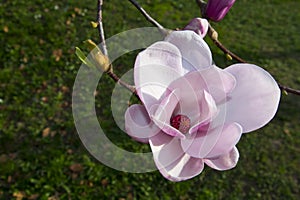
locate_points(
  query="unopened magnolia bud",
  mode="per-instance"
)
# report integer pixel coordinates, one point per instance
(101, 61)
(217, 9)
(198, 25)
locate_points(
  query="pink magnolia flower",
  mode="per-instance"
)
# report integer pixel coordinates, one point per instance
(193, 112)
(217, 9)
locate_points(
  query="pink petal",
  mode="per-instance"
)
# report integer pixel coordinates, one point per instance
(195, 52)
(254, 101)
(213, 142)
(200, 91)
(218, 82)
(138, 125)
(162, 113)
(171, 161)
(224, 162)
(190, 95)
(208, 111)
(198, 25)
(155, 68)
(166, 108)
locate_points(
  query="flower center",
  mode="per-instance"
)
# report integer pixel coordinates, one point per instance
(181, 123)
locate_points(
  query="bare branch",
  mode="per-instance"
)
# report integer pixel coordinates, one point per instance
(100, 28)
(105, 52)
(288, 89)
(213, 35)
(149, 18)
(124, 84)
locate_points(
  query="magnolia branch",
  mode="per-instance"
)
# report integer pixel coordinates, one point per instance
(214, 37)
(122, 83)
(105, 52)
(100, 27)
(212, 33)
(148, 17)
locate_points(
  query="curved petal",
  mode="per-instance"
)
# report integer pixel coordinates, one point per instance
(229, 137)
(224, 162)
(190, 96)
(138, 125)
(254, 101)
(171, 161)
(162, 113)
(215, 77)
(213, 142)
(208, 111)
(218, 83)
(155, 68)
(195, 52)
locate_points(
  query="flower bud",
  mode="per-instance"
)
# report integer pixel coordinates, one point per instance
(198, 25)
(217, 9)
(213, 34)
(96, 58)
(101, 61)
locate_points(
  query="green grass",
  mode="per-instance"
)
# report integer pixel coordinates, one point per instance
(41, 155)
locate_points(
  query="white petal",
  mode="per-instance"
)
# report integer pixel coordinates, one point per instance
(155, 68)
(254, 101)
(195, 52)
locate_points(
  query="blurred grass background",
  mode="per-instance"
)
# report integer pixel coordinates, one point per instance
(41, 155)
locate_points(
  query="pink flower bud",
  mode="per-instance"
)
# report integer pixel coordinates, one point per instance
(217, 9)
(198, 25)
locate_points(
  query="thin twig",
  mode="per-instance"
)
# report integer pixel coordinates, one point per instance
(100, 28)
(288, 89)
(212, 33)
(149, 18)
(105, 52)
(124, 84)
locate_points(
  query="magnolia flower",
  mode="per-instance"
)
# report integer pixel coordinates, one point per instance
(193, 112)
(217, 9)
